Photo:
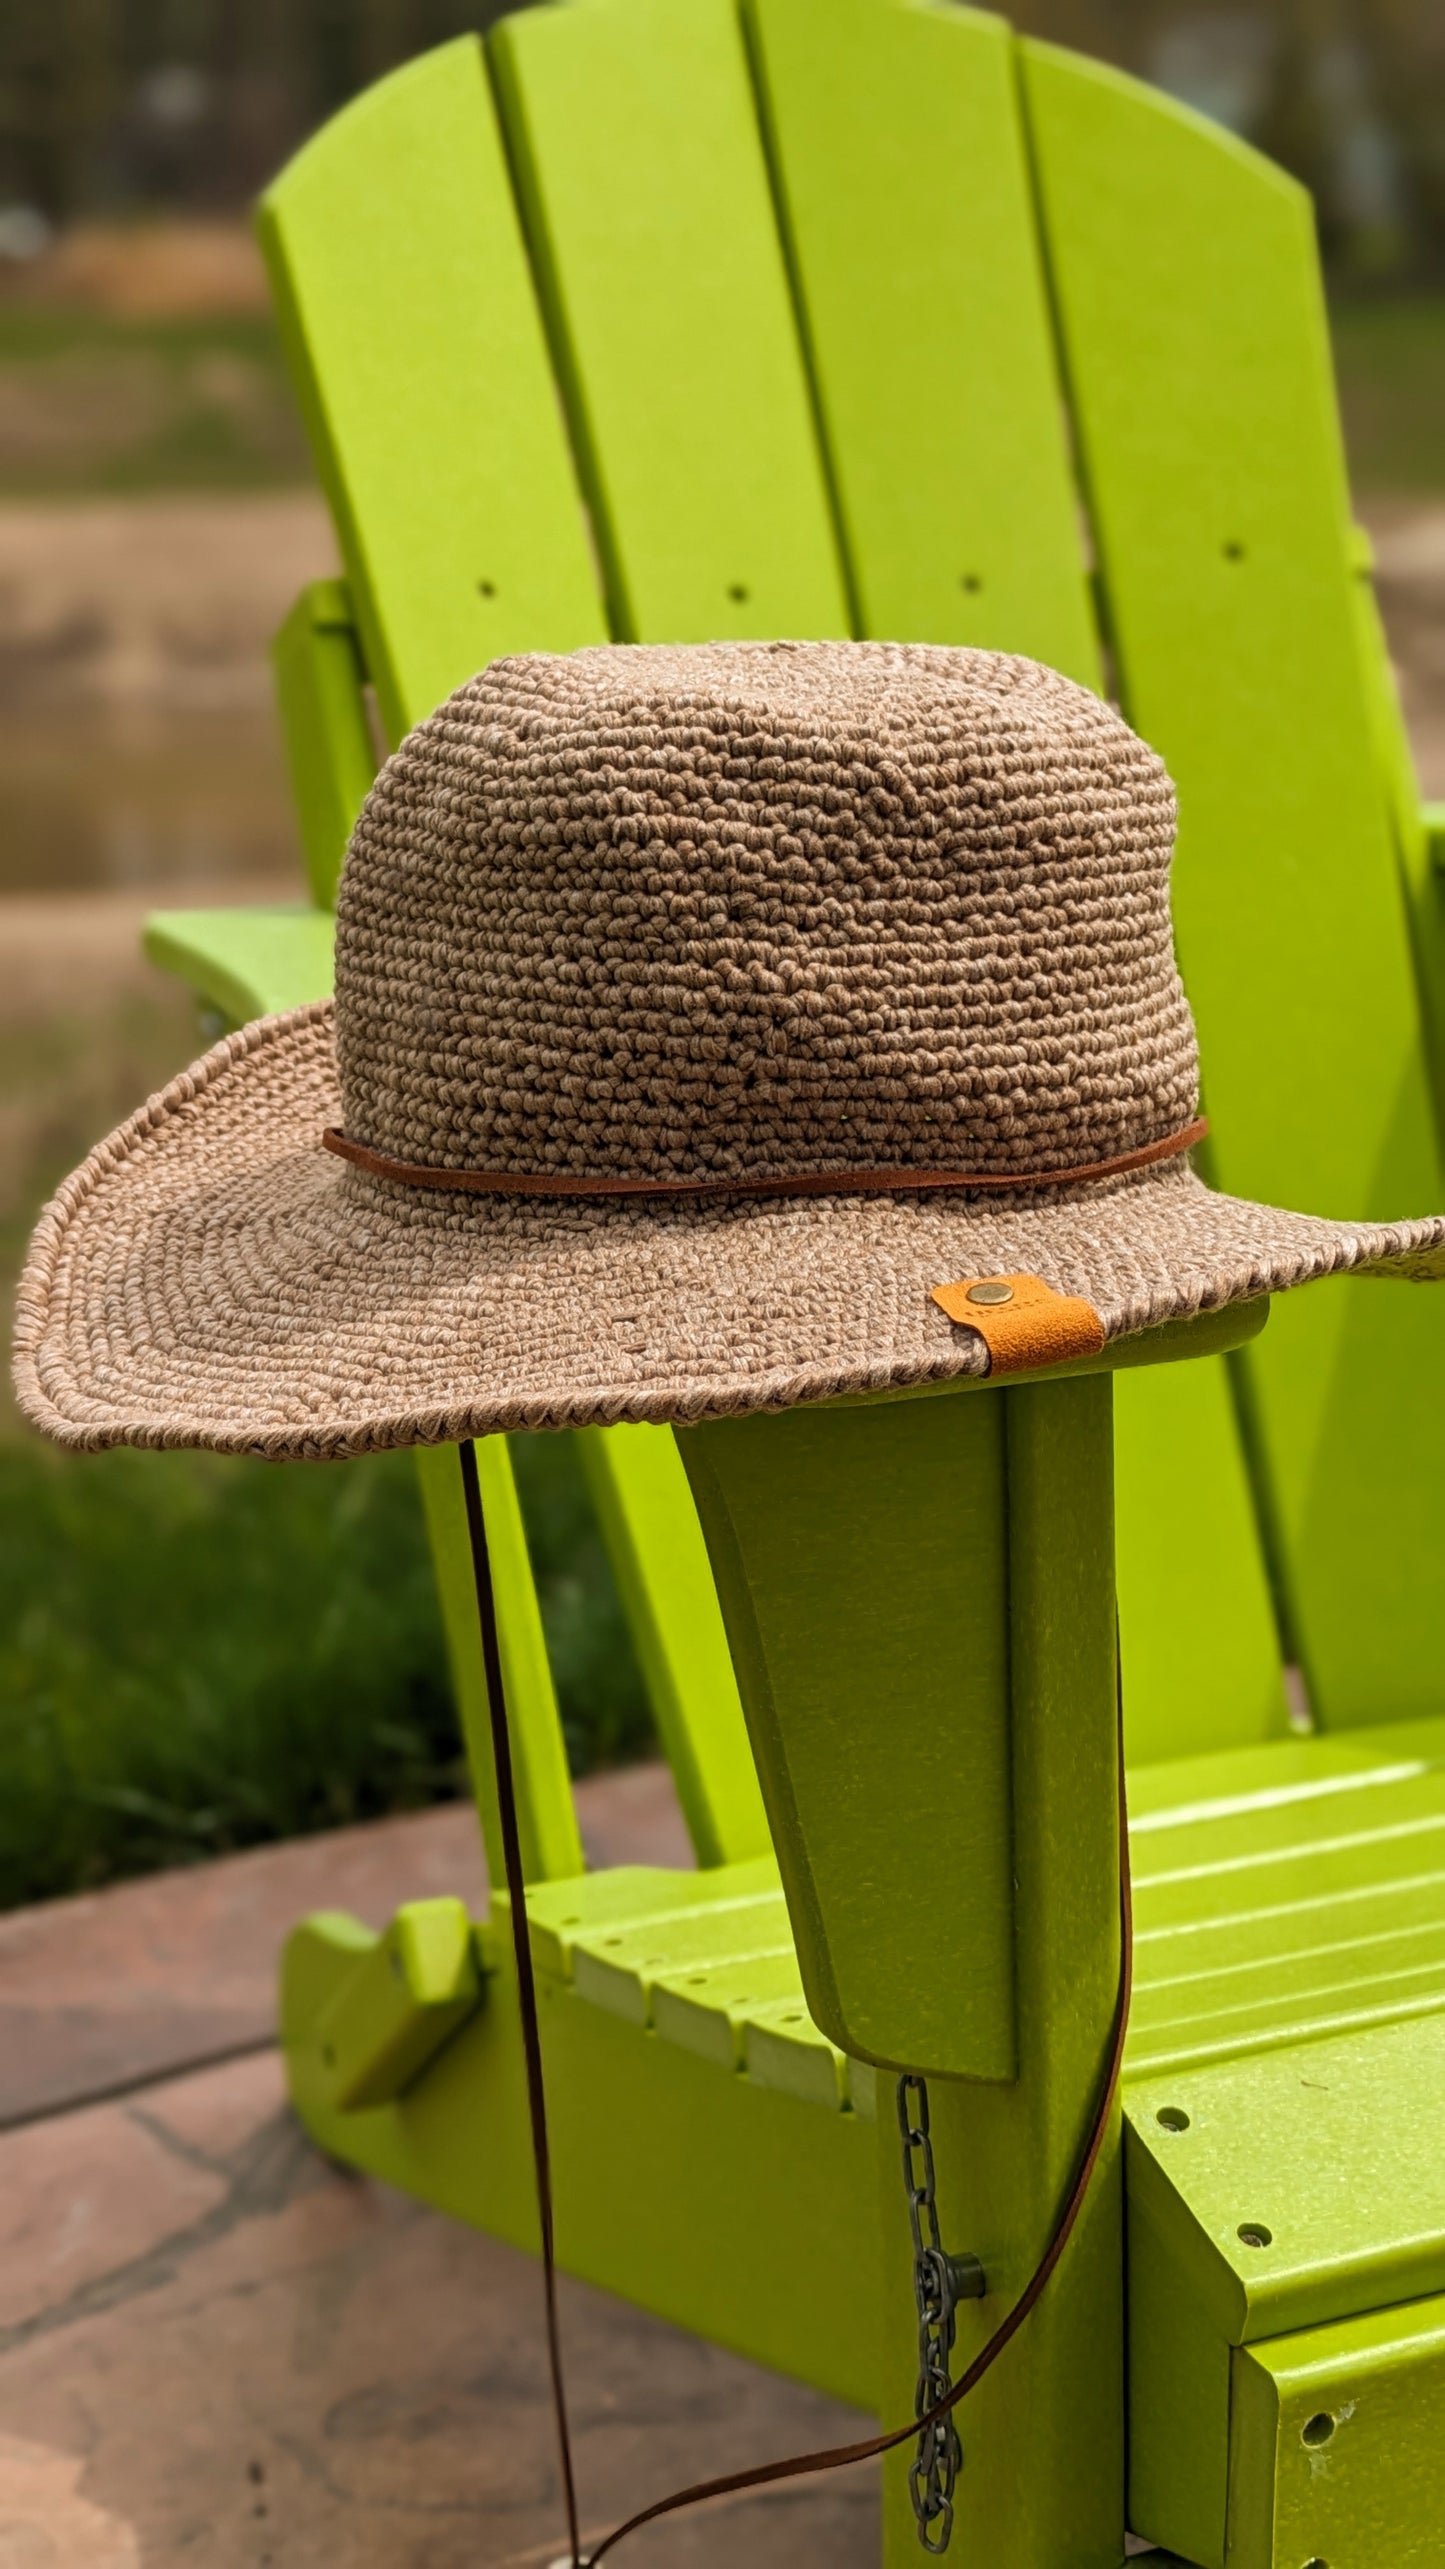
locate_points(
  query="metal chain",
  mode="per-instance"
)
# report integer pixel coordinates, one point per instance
(940, 2282)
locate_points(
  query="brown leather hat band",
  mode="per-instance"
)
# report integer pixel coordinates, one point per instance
(810, 1182)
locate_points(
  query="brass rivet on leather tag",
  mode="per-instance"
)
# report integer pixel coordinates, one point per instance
(1022, 1321)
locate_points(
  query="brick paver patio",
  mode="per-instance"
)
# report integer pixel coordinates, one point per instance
(214, 2346)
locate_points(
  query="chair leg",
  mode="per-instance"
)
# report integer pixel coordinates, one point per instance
(920, 1602)
(1042, 2478)
(551, 1846)
(1042, 2484)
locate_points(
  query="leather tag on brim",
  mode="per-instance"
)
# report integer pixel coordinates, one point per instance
(1022, 1321)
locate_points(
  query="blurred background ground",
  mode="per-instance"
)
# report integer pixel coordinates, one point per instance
(196, 1654)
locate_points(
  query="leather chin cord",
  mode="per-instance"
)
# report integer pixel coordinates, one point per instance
(526, 1981)
(794, 2466)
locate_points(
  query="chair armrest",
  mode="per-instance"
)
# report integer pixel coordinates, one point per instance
(246, 963)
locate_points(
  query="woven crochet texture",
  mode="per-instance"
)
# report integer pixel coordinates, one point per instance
(888, 904)
(744, 911)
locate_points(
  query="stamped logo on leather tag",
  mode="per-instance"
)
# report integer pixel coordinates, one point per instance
(1022, 1321)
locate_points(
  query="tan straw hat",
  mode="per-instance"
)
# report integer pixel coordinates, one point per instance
(714, 1029)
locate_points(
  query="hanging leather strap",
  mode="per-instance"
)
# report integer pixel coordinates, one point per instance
(526, 1982)
(795, 2466)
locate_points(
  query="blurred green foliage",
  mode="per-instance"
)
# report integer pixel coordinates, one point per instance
(107, 103)
(199, 1654)
(115, 103)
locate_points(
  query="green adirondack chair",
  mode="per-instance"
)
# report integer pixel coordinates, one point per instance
(673, 321)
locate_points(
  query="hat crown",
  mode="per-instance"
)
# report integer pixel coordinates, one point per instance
(760, 911)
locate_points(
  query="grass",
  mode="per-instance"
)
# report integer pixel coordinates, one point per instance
(199, 1654)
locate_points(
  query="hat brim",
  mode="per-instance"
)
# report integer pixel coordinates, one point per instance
(212, 1277)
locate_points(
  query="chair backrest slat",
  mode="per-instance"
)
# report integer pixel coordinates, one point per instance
(646, 1507)
(859, 426)
(420, 352)
(1198, 1636)
(407, 304)
(402, 283)
(1187, 284)
(636, 143)
(321, 700)
(551, 1844)
(903, 177)
(904, 187)
(634, 134)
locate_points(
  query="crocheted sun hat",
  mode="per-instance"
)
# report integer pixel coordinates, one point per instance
(714, 1029)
